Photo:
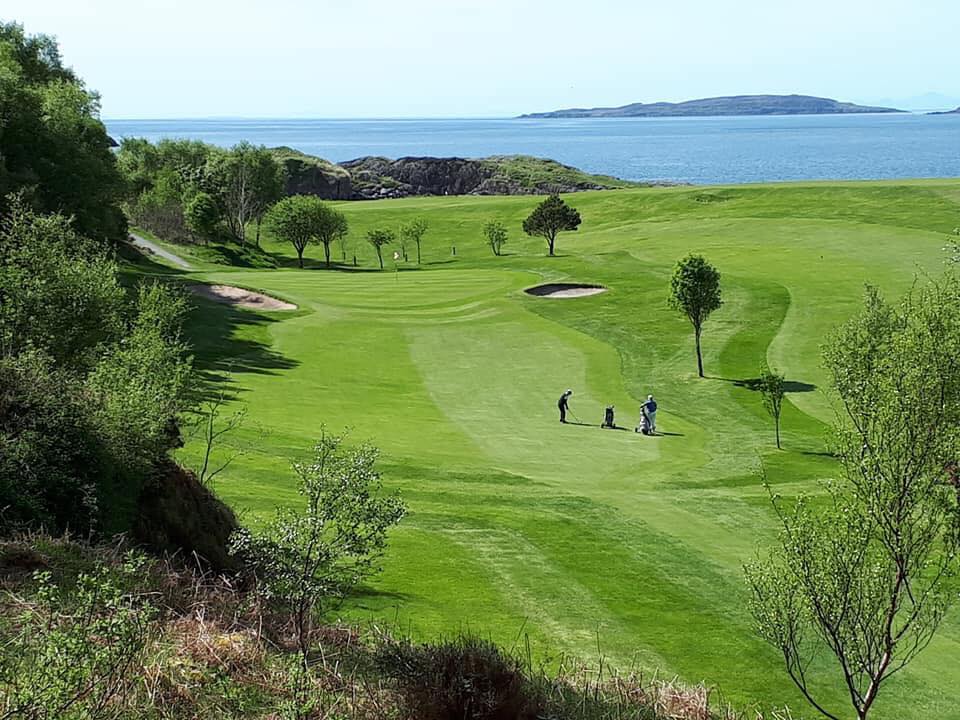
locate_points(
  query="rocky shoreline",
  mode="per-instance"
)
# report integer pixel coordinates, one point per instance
(372, 178)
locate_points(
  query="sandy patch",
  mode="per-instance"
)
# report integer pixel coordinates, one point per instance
(238, 296)
(565, 290)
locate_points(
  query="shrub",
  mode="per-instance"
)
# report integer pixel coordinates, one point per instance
(74, 654)
(464, 679)
(91, 384)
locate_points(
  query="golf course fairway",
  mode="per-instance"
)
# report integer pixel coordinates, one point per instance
(584, 542)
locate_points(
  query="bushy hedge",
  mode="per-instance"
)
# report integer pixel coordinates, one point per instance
(90, 381)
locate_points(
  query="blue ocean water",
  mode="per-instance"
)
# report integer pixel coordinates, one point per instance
(694, 150)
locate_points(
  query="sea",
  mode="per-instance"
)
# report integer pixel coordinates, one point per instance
(713, 150)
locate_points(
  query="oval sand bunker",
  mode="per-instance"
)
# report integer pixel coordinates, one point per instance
(238, 296)
(565, 290)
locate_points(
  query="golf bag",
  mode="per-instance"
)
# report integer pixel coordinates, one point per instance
(608, 421)
(644, 426)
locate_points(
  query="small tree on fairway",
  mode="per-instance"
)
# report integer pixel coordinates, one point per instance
(378, 238)
(303, 219)
(295, 220)
(311, 556)
(550, 217)
(771, 387)
(413, 232)
(696, 293)
(496, 234)
(869, 578)
(330, 225)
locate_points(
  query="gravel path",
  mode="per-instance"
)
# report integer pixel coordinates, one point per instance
(152, 248)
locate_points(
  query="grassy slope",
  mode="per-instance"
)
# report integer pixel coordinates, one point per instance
(571, 534)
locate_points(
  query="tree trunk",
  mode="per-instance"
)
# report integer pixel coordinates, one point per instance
(699, 354)
(326, 253)
(380, 258)
(300, 256)
(776, 422)
(550, 241)
(418, 253)
(259, 220)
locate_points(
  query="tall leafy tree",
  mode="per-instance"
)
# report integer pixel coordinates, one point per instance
(248, 180)
(268, 177)
(298, 220)
(550, 218)
(695, 292)
(53, 147)
(865, 576)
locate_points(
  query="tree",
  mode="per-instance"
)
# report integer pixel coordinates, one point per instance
(550, 217)
(292, 220)
(868, 578)
(330, 225)
(496, 234)
(696, 293)
(309, 557)
(771, 388)
(203, 216)
(378, 238)
(247, 180)
(213, 430)
(302, 219)
(53, 147)
(268, 186)
(414, 232)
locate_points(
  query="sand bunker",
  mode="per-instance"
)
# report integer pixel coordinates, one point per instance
(565, 290)
(240, 297)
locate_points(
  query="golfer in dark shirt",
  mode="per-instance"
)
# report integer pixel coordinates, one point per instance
(563, 405)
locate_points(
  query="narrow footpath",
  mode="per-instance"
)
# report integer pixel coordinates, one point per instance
(152, 248)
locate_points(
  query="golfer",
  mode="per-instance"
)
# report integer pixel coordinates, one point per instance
(563, 405)
(649, 411)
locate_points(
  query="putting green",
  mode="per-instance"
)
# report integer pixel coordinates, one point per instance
(577, 537)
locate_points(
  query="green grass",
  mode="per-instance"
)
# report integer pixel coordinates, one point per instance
(575, 536)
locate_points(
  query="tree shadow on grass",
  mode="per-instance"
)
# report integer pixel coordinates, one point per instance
(225, 339)
(754, 384)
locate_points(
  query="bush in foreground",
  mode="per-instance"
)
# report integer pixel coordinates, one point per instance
(193, 645)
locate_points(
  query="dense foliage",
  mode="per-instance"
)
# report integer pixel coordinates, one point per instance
(189, 191)
(91, 382)
(53, 148)
(304, 219)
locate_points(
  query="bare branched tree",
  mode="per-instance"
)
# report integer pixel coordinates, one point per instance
(869, 578)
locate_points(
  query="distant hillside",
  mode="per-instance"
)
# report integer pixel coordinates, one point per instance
(733, 105)
(946, 112)
(377, 177)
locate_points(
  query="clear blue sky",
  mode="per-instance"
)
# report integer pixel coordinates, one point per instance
(462, 58)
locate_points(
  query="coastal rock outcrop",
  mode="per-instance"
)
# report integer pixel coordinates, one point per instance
(370, 178)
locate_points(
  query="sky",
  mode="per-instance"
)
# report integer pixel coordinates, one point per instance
(490, 58)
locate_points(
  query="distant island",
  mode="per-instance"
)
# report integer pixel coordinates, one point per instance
(956, 111)
(719, 106)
